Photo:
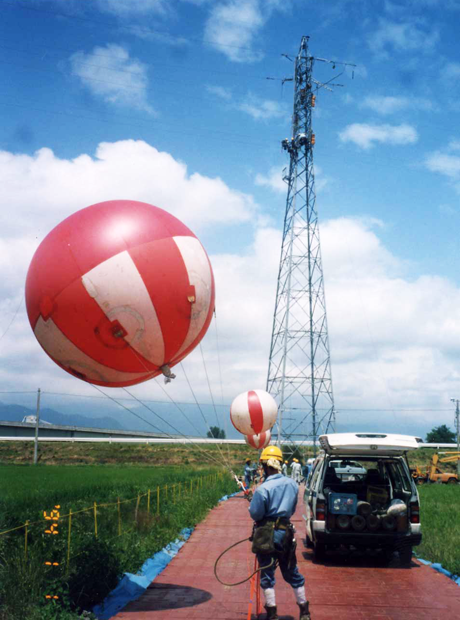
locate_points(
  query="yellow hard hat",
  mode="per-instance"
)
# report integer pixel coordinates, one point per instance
(271, 452)
(248, 460)
(295, 460)
(286, 462)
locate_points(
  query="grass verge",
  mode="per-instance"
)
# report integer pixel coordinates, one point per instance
(440, 518)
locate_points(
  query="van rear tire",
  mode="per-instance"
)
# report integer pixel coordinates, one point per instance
(405, 556)
(320, 551)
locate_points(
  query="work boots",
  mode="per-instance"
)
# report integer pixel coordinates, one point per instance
(271, 613)
(304, 611)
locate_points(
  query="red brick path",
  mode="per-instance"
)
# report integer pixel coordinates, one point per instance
(344, 587)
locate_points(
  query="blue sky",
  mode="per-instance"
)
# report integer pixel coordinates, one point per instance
(168, 101)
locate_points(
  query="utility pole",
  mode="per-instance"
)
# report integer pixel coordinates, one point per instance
(299, 372)
(37, 422)
(457, 428)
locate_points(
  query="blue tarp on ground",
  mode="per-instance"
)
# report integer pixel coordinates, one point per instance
(132, 586)
(441, 570)
(225, 497)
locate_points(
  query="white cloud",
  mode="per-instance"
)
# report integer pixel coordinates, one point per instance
(133, 169)
(233, 25)
(126, 8)
(408, 36)
(220, 91)
(365, 135)
(451, 72)
(389, 105)
(109, 73)
(261, 109)
(454, 145)
(446, 163)
(447, 210)
(256, 107)
(321, 179)
(274, 179)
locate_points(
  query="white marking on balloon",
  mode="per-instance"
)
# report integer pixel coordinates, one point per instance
(199, 275)
(68, 355)
(123, 296)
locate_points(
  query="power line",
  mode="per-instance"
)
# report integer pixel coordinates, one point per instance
(155, 65)
(134, 28)
(171, 425)
(161, 126)
(226, 405)
(12, 320)
(95, 79)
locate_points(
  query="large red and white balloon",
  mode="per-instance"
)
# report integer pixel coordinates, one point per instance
(253, 412)
(258, 441)
(119, 290)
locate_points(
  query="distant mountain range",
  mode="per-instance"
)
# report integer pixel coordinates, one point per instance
(15, 413)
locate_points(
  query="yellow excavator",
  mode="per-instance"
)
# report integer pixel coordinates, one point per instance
(433, 473)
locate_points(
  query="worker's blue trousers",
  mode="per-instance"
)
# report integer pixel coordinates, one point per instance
(291, 575)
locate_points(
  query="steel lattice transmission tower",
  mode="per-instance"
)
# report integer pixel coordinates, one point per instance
(299, 373)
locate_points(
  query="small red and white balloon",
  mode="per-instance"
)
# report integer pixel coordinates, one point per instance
(253, 413)
(258, 441)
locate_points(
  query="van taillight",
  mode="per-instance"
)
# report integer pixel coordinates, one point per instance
(414, 513)
(320, 510)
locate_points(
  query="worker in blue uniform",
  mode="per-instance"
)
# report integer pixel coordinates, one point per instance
(274, 503)
(248, 473)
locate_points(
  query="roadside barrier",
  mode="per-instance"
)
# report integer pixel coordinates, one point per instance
(111, 519)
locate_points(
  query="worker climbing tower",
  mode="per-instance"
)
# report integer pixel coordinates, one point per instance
(299, 373)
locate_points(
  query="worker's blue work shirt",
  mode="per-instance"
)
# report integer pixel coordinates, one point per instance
(276, 497)
(248, 474)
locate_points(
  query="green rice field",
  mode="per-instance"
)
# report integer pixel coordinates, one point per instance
(102, 521)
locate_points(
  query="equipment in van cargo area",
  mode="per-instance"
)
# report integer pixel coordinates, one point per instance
(343, 503)
(377, 495)
(364, 509)
(397, 508)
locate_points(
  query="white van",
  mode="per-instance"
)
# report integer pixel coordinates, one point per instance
(376, 507)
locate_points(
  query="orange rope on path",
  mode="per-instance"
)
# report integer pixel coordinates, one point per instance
(255, 581)
(251, 594)
(252, 583)
(258, 601)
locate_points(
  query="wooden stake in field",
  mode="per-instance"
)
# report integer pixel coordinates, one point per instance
(148, 501)
(95, 519)
(136, 512)
(68, 542)
(25, 539)
(119, 516)
(158, 500)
